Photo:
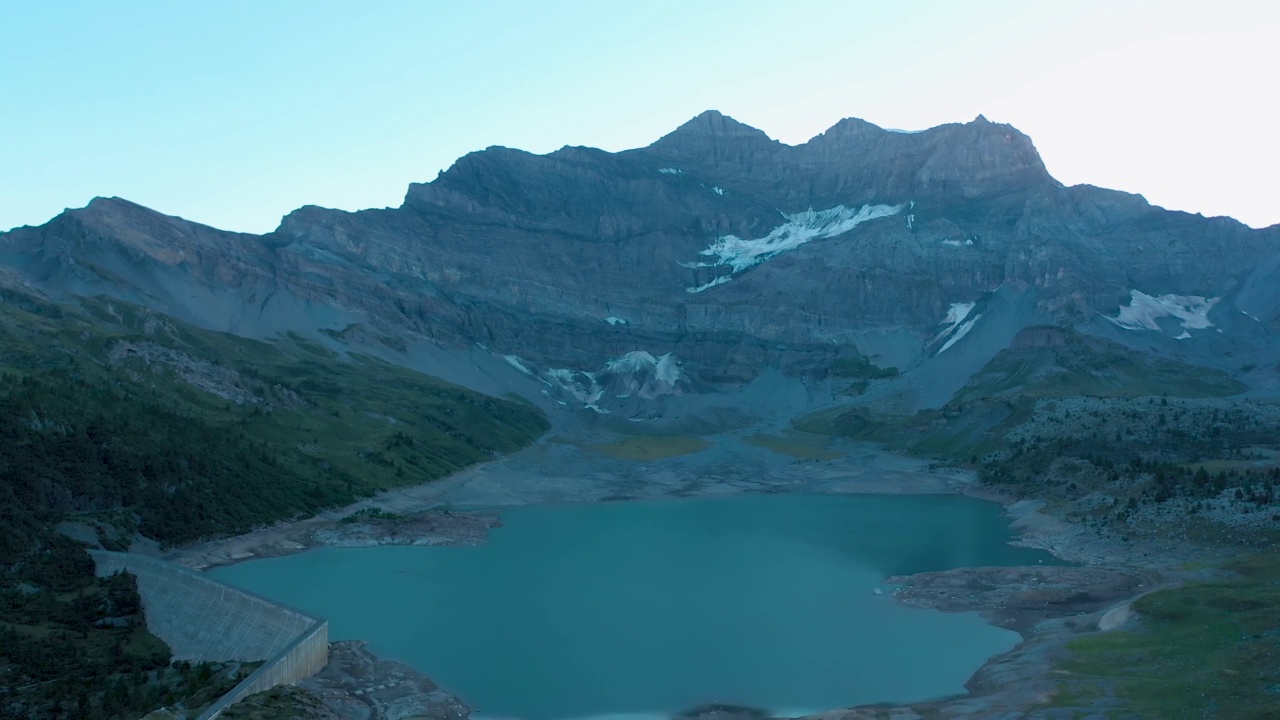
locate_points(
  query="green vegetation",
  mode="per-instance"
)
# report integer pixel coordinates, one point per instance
(1091, 366)
(1072, 421)
(76, 646)
(126, 422)
(646, 448)
(283, 702)
(368, 515)
(861, 368)
(952, 433)
(194, 434)
(1004, 395)
(1204, 650)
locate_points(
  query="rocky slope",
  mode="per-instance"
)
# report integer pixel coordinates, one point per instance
(583, 278)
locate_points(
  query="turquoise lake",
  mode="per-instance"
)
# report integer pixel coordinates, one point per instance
(654, 607)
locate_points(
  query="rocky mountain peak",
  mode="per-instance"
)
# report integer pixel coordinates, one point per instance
(713, 122)
(714, 137)
(981, 157)
(851, 127)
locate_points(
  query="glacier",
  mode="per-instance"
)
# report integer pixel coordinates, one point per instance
(799, 228)
(1143, 311)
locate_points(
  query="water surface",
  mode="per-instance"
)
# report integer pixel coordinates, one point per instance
(657, 606)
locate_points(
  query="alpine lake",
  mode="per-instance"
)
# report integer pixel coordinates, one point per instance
(650, 608)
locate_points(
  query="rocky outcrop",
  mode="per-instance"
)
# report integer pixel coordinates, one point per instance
(1039, 336)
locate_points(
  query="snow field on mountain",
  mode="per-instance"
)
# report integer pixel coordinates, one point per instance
(799, 228)
(1143, 311)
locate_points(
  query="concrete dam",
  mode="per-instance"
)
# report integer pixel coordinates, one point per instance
(204, 620)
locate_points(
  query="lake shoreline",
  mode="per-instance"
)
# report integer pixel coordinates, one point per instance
(1046, 605)
(436, 513)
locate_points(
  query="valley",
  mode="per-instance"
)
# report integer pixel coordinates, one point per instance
(716, 314)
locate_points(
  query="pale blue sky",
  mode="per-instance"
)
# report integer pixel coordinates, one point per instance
(234, 113)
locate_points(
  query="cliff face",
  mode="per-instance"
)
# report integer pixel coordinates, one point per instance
(699, 260)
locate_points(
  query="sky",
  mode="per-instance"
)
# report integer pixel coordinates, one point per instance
(234, 113)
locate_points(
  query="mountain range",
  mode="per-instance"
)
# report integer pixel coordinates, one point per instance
(713, 264)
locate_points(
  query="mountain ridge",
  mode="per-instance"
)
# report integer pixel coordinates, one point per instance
(715, 245)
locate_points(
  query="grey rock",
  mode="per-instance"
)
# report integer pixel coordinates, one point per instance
(530, 256)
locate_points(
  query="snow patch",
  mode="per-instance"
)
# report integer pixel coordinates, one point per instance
(638, 373)
(642, 374)
(614, 320)
(1143, 310)
(1183, 336)
(707, 285)
(911, 221)
(957, 313)
(799, 228)
(958, 243)
(671, 171)
(961, 332)
(665, 368)
(514, 361)
(579, 385)
(718, 191)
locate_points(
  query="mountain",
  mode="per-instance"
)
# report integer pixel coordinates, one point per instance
(130, 421)
(696, 266)
(122, 427)
(937, 292)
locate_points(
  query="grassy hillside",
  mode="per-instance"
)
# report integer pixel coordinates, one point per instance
(1074, 364)
(1205, 650)
(1116, 440)
(1004, 394)
(118, 414)
(126, 422)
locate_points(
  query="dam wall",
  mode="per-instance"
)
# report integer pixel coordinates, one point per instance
(204, 620)
(302, 658)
